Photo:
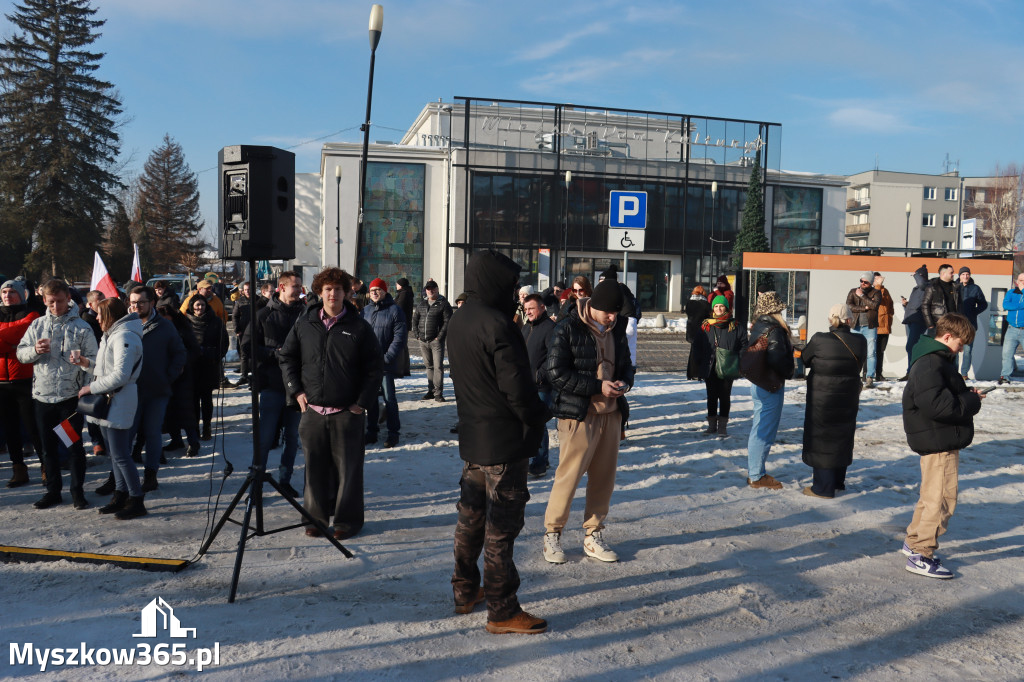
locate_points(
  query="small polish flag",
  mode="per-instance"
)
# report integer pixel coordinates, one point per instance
(101, 279)
(67, 434)
(136, 266)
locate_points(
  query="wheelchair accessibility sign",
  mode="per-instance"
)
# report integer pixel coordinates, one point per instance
(627, 221)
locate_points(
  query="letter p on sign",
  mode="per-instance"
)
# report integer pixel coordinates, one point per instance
(627, 209)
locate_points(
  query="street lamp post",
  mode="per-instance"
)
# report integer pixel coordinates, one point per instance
(376, 26)
(565, 232)
(337, 175)
(908, 227)
(447, 108)
(714, 193)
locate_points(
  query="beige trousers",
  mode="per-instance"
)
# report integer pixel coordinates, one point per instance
(937, 501)
(588, 447)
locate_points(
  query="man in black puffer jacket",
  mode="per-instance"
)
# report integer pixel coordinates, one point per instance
(430, 326)
(331, 363)
(590, 369)
(273, 323)
(938, 417)
(388, 322)
(501, 419)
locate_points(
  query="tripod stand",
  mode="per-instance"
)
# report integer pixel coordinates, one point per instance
(257, 477)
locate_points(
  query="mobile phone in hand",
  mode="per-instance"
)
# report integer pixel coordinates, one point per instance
(986, 390)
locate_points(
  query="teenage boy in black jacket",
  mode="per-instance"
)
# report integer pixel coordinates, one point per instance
(501, 419)
(938, 417)
(331, 364)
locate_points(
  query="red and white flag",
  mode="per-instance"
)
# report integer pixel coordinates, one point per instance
(67, 434)
(101, 279)
(136, 266)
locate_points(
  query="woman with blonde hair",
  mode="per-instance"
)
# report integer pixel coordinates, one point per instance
(768, 399)
(117, 368)
(835, 359)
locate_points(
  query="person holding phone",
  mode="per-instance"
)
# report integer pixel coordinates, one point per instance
(590, 371)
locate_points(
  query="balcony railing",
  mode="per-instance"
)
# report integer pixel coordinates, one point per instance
(858, 204)
(859, 229)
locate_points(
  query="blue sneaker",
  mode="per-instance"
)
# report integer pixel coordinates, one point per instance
(930, 568)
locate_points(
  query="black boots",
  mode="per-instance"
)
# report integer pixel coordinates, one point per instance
(133, 509)
(107, 487)
(148, 481)
(206, 433)
(116, 504)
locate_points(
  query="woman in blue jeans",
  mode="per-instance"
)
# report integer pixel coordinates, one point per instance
(118, 365)
(768, 403)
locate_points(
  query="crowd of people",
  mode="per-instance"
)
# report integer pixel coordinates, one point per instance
(322, 362)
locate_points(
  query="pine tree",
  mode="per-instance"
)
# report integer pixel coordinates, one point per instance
(751, 236)
(168, 206)
(57, 120)
(118, 246)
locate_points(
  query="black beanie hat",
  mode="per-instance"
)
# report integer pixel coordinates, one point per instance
(963, 270)
(607, 297)
(403, 281)
(610, 273)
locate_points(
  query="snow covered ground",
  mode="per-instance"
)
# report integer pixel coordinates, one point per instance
(717, 581)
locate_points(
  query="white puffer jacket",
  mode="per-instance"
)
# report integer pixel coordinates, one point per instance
(54, 378)
(118, 366)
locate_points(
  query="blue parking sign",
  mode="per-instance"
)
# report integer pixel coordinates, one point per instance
(628, 209)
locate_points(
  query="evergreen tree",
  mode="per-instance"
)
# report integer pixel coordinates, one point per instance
(751, 236)
(119, 248)
(168, 205)
(57, 122)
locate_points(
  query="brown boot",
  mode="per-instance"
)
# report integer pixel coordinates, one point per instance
(723, 427)
(20, 476)
(765, 481)
(712, 426)
(467, 607)
(522, 623)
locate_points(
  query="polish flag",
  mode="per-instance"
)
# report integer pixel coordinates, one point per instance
(67, 433)
(136, 267)
(101, 279)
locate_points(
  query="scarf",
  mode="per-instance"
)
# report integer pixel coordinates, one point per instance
(724, 322)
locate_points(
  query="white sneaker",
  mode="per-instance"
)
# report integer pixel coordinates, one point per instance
(595, 546)
(553, 548)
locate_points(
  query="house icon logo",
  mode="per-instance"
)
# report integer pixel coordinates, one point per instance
(158, 615)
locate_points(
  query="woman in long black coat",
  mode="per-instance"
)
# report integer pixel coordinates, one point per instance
(835, 360)
(697, 310)
(212, 337)
(719, 330)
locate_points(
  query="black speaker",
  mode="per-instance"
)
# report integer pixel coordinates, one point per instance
(256, 207)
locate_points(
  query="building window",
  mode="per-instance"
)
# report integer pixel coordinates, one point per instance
(929, 192)
(392, 241)
(927, 220)
(951, 194)
(948, 220)
(927, 244)
(797, 218)
(947, 245)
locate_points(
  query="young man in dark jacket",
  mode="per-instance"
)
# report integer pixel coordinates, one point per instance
(500, 423)
(430, 327)
(537, 333)
(941, 296)
(938, 417)
(972, 304)
(388, 322)
(331, 363)
(864, 302)
(163, 359)
(240, 318)
(273, 323)
(590, 369)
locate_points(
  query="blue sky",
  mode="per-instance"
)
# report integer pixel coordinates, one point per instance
(897, 83)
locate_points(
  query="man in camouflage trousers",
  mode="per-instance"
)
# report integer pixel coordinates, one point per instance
(501, 420)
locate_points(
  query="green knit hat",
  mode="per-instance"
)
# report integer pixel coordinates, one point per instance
(720, 300)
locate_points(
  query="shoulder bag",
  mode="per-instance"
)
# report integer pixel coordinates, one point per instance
(727, 362)
(754, 366)
(97, 405)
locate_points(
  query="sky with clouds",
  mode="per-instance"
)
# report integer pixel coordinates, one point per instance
(894, 83)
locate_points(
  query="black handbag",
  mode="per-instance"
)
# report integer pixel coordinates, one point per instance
(95, 405)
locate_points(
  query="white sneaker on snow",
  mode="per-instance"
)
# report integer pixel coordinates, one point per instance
(595, 546)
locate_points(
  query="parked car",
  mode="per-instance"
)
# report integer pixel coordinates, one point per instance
(179, 283)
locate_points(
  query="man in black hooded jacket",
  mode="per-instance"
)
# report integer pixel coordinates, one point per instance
(501, 419)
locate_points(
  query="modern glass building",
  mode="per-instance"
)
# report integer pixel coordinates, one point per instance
(533, 179)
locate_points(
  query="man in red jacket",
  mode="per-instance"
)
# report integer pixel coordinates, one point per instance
(16, 411)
